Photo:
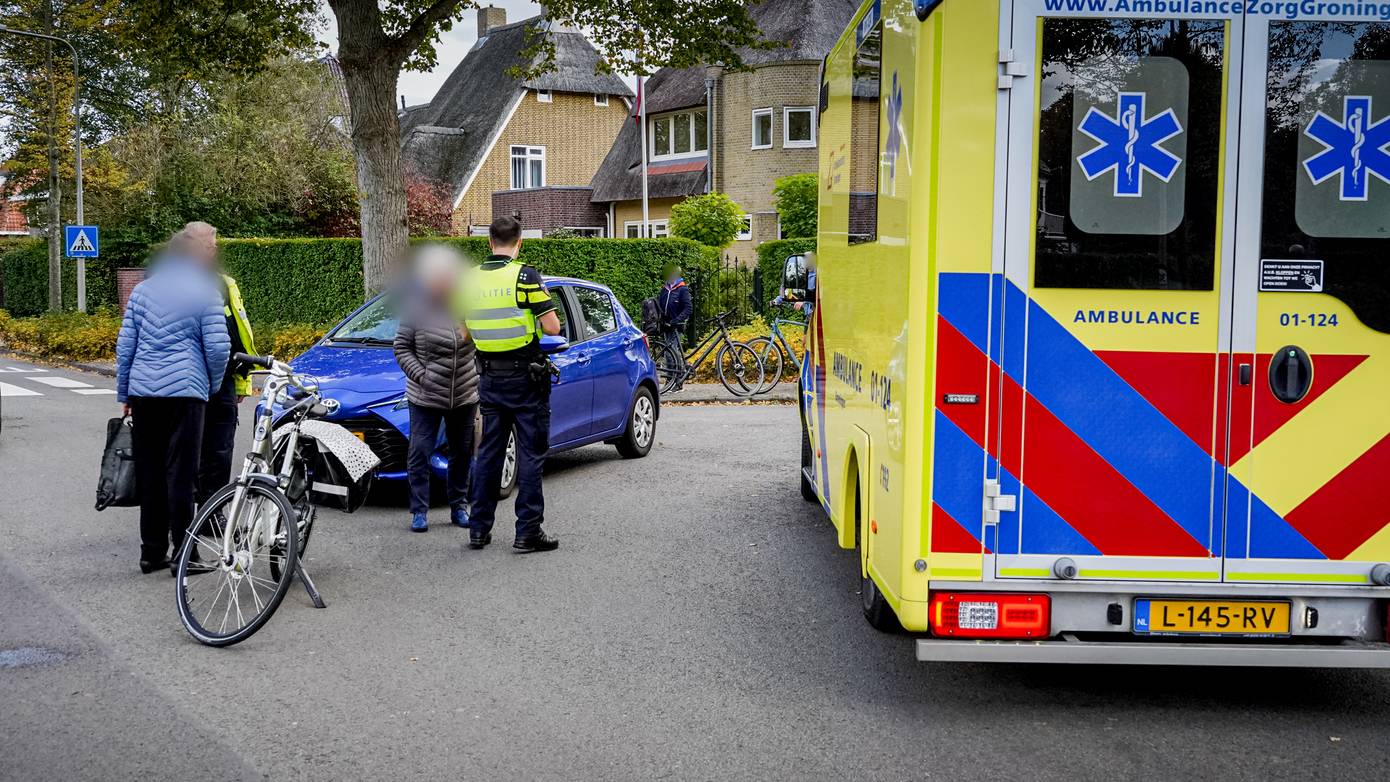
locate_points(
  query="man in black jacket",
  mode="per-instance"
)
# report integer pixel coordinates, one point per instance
(441, 387)
(676, 308)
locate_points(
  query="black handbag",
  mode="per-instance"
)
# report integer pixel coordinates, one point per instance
(116, 484)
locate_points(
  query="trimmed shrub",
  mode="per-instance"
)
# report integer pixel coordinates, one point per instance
(73, 336)
(796, 197)
(24, 279)
(712, 219)
(288, 341)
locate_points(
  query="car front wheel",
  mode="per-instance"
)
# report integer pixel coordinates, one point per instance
(637, 441)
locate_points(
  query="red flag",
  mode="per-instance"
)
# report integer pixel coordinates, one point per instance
(637, 107)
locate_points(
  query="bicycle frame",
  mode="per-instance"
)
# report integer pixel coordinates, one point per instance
(707, 346)
(782, 339)
(262, 453)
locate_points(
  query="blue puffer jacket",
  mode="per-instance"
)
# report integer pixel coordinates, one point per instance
(173, 340)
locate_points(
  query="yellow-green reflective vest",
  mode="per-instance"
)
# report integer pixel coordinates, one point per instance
(495, 321)
(236, 309)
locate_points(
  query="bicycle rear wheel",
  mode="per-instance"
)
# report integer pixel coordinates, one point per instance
(770, 354)
(225, 600)
(670, 370)
(739, 369)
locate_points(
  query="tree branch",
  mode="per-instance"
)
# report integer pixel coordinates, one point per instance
(410, 39)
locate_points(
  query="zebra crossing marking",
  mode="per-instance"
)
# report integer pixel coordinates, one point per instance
(61, 382)
(10, 390)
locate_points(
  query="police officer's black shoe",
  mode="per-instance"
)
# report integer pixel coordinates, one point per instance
(479, 541)
(538, 542)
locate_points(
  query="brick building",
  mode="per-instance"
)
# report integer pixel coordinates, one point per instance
(487, 131)
(731, 132)
(12, 219)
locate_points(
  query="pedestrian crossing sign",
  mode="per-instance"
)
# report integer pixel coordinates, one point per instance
(81, 241)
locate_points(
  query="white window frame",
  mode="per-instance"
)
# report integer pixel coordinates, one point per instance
(787, 142)
(660, 229)
(588, 231)
(601, 100)
(529, 155)
(545, 96)
(696, 140)
(478, 230)
(746, 233)
(753, 135)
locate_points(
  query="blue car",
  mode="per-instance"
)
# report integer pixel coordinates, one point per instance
(606, 392)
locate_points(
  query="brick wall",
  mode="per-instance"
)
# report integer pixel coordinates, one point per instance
(12, 221)
(576, 135)
(547, 208)
(631, 211)
(126, 280)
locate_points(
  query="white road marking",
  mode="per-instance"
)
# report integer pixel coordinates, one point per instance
(22, 369)
(61, 382)
(8, 390)
(94, 391)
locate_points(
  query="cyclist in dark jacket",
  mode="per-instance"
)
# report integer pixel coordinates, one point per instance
(441, 386)
(676, 308)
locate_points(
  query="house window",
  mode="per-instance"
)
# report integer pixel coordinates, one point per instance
(864, 157)
(745, 233)
(762, 128)
(682, 133)
(660, 229)
(587, 233)
(478, 230)
(601, 101)
(528, 167)
(798, 126)
(544, 96)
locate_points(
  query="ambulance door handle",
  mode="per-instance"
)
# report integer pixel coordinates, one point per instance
(1245, 372)
(1290, 374)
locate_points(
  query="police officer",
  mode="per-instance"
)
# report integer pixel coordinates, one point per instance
(220, 418)
(506, 309)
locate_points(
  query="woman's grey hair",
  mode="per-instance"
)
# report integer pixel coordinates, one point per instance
(196, 238)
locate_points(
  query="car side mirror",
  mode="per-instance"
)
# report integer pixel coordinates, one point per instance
(795, 278)
(554, 344)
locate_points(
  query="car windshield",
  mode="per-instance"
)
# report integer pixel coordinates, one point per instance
(374, 325)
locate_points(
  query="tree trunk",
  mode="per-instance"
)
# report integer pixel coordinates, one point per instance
(376, 142)
(55, 190)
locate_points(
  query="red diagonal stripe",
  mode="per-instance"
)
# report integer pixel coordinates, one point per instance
(961, 369)
(1348, 509)
(949, 537)
(1091, 496)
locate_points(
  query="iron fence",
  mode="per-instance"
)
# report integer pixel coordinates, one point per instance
(732, 287)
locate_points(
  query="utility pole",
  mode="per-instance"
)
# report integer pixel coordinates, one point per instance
(55, 220)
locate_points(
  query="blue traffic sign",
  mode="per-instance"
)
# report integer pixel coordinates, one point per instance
(81, 241)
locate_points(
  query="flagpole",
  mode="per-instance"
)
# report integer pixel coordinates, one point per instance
(642, 118)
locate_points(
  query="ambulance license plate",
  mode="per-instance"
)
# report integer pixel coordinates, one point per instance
(1211, 617)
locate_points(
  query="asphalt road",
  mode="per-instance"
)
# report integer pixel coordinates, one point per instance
(697, 623)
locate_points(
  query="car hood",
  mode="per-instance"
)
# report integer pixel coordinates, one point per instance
(355, 375)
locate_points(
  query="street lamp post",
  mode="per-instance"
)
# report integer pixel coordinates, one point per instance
(77, 124)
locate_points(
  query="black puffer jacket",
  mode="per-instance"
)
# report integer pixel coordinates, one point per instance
(437, 362)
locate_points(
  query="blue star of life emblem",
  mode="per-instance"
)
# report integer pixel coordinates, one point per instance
(1354, 149)
(893, 145)
(1130, 144)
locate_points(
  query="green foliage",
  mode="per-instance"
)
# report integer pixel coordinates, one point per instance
(71, 336)
(318, 281)
(796, 198)
(772, 256)
(712, 219)
(24, 280)
(289, 340)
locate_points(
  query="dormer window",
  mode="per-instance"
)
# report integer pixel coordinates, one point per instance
(544, 96)
(601, 101)
(680, 134)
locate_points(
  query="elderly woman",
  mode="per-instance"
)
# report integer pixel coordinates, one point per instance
(171, 354)
(436, 355)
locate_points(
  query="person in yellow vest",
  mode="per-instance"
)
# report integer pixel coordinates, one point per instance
(506, 308)
(220, 418)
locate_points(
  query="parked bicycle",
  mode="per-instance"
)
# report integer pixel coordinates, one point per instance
(774, 351)
(247, 541)
(737, 366)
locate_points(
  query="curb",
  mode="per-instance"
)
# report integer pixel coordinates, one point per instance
(107, 370)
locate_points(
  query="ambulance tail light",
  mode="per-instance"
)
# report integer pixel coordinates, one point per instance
(978, 615)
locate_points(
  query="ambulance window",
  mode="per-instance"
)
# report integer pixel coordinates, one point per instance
(864, 157)
(1327, 159)
(1129, 153)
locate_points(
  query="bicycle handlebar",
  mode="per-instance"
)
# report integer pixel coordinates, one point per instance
(264, 362)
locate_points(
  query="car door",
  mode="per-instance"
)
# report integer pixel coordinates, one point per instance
(572, 394)
(605, 350)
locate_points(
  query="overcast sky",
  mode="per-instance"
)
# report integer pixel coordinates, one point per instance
(420, 87)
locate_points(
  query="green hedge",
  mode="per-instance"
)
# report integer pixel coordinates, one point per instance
(24, 279)
(320, 280)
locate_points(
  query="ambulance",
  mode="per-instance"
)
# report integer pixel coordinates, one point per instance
(1099, 363)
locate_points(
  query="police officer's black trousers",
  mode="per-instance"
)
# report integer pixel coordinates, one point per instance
(512, 400)
(219, 440)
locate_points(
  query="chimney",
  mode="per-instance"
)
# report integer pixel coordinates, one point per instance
(489, 17)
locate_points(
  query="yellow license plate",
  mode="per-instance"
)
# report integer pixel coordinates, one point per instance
(1211, 617)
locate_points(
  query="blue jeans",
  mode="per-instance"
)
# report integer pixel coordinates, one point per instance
(512, 400)
(424, 436)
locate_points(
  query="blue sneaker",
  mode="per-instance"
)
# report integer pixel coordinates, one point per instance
(418, 523)
(460, 518)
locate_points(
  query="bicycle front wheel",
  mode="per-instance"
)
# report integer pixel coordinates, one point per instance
(770, 354)
(670, 370)
(233, 572)
(739, 369)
